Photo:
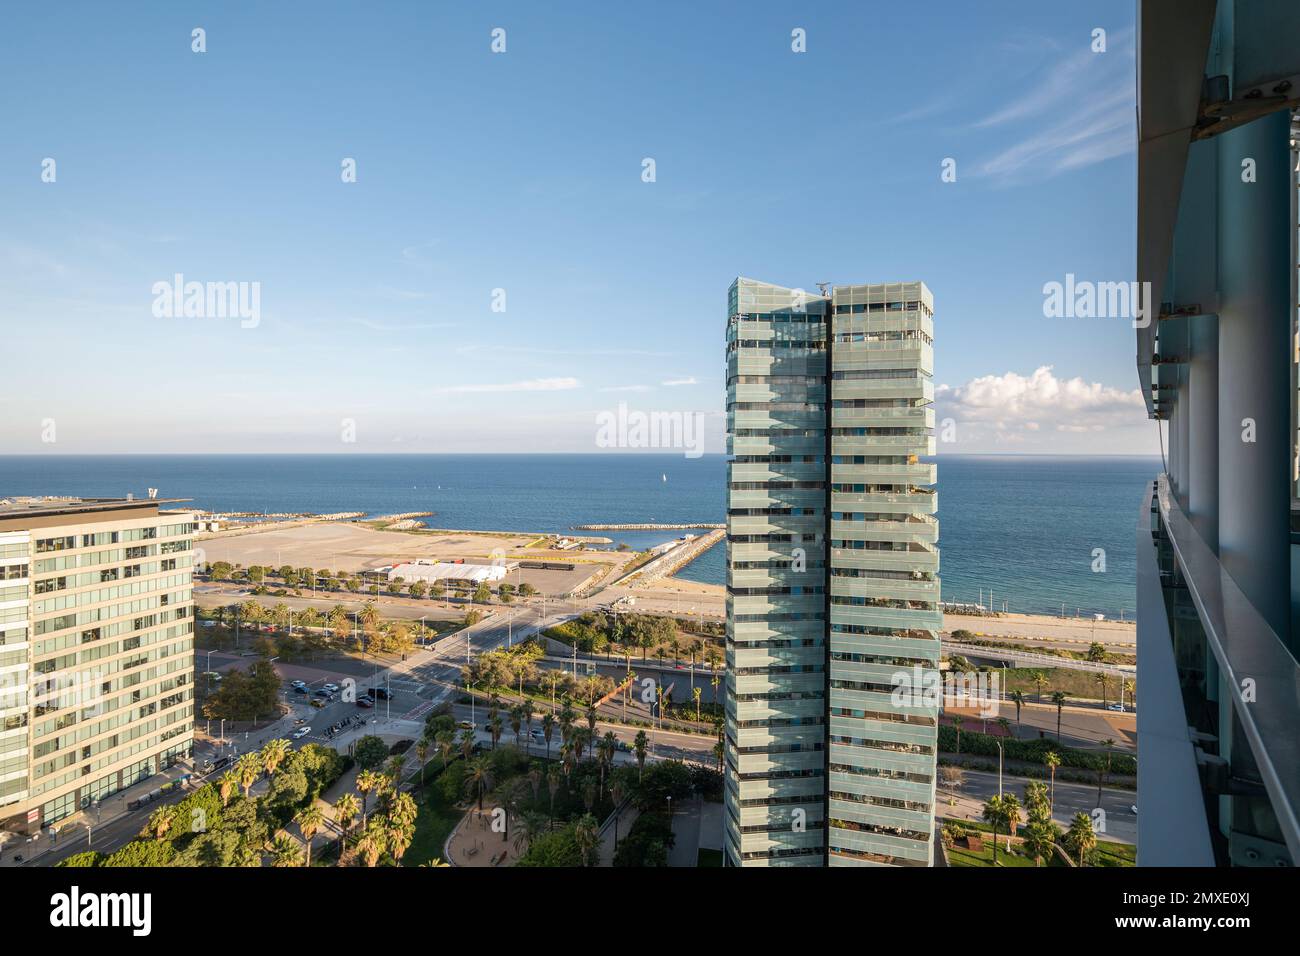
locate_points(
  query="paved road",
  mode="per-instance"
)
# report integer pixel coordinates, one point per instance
(1071, 798)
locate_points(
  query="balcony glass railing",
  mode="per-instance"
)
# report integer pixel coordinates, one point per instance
(1246, 650)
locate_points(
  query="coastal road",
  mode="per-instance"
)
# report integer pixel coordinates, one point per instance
(977, 786)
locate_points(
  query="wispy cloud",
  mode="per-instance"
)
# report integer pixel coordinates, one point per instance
(673, 382)
(1079, 112)
(402, 327)
(531, 385)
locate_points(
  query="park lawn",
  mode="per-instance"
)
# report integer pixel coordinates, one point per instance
(1107, 853)
(1114, 854)
(960, 856)
(433, 824)
(1077, 684)
(436, 817)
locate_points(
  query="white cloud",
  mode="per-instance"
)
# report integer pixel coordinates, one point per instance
(689, 380)
(532, 385)
(1039, 410)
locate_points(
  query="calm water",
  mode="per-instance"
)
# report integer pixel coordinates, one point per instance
(1023, 526)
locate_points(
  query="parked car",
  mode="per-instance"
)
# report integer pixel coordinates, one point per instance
(301, 732)
(1116, 707)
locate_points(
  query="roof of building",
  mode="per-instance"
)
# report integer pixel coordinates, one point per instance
(445, 570)
(20, 506)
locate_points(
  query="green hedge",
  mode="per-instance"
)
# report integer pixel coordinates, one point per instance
(1033, 751)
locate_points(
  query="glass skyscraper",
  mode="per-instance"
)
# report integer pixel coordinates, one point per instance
(832, 576)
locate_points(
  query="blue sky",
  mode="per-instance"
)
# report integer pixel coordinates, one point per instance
(522, 171)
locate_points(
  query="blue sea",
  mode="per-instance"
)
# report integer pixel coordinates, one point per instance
(1023, 526)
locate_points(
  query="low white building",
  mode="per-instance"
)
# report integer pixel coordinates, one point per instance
(446, 571)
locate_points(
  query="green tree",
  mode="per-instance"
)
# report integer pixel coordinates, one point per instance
(1080, 839)
(1058, 698)
(310, 821)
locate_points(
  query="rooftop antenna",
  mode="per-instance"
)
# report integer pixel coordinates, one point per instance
(823, 286)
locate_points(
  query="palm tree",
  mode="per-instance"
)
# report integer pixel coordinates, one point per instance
(273, 754)
(1040, 837)
(553, 785)
(639, 744)
(1080, 838)
(606, 747)
(548, 729)
(466, 742)
(535, 780)
(446, 744)
(999, 811)
(161, 820)
(527, 829)
(478, 778)
(697, 693)
(586, 835)
(1126, 688)
(591, 721)
(1058, 698)
(1040, 681)
(247, 769)
(1053, 760)
(421, 753)
(1017, 697)
(373, 842)
(435, 862)
(346, 809)
(495, 725)
(1037, 805)
(957, 721)
(401, 825)
(1102, 681)
(528, 711)
(310, 821)
(285, 851)
(227, 785)
(368, 780)
(517, 722)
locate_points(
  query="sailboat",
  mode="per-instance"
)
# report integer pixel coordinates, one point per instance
(663, 477)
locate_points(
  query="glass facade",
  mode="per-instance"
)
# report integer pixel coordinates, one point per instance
(832, 578)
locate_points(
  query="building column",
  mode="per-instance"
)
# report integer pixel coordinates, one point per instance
(1184, 427)
(1203, 439)
(1254, 364)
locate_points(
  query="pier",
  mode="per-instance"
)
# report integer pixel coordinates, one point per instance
(647, 527)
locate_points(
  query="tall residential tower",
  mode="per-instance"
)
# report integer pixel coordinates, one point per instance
(96, 651)
(832, 576)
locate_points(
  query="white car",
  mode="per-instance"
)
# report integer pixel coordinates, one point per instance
(1116, 707)
(332, 688)
(301, 732)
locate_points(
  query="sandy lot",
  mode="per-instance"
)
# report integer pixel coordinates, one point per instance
(356, 547)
